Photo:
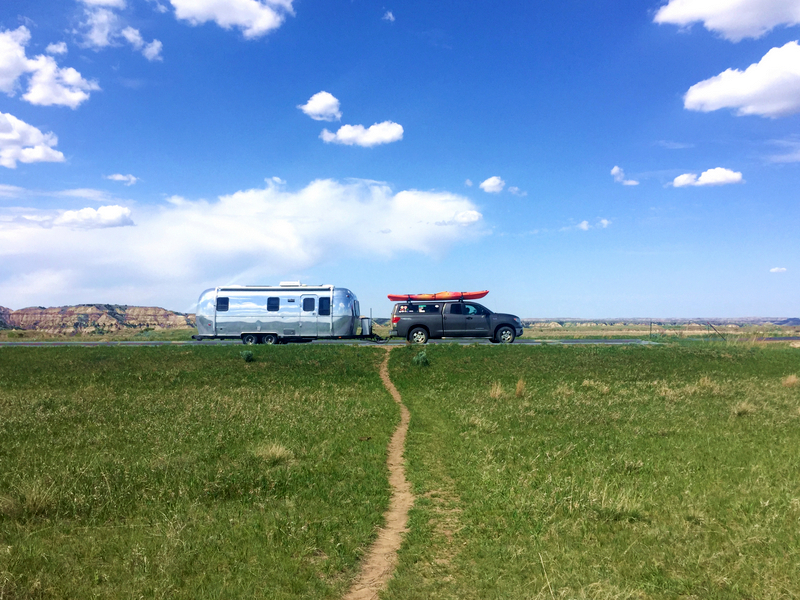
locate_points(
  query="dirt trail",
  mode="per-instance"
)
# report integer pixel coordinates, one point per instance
(381, 559)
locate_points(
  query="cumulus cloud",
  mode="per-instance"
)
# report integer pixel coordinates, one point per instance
(769, 88)
(619, 176)
(103, 27)
(517, 192)
(777, 270)
(182, 247)
(25, 143)
(468, 183)
(379, 133)
(59, 48)
(151, 51)
(603, 223)
(322, 106)
(253, 17)
(388, 16)
(717, 176)
(493, 185)
(89, 218)
(583, 226)
(586, 226)
(732, 19)
(126, 179)
(48, 84)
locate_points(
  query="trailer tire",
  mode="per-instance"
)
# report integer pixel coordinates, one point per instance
(505, 335)
(418, 335)
(249, 339)
(269, 338)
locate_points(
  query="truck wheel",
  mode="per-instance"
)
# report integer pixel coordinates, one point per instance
(505, 335)
(269, 338)
(418, 335)
(249, 339)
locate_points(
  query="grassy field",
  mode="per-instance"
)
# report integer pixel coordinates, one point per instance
(602, 472)
(181, 472)
(540, 472)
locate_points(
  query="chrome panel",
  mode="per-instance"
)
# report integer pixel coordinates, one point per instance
(247, 312)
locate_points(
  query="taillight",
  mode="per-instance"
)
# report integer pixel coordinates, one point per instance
(395, 320)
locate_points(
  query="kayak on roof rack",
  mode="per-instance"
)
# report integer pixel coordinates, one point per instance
(439, 296)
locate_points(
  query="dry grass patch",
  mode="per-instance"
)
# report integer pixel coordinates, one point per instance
(274, 454)
(790, 381)
(743, 409)
(520, 391)
(596, 385)
(497, 391)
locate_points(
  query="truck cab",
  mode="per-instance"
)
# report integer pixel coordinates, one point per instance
(419, 321)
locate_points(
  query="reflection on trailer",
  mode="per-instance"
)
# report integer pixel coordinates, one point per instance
(273, 314)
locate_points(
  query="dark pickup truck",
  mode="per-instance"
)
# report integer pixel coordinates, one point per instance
(420, 321)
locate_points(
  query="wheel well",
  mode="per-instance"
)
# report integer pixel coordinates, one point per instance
(496, 329)
(413, 327)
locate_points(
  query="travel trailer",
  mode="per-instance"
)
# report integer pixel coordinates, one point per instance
(289, 312)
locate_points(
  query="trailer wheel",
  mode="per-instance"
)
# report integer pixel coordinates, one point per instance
(249, 339)
(505, 335)
(418, 335)
(269, 338)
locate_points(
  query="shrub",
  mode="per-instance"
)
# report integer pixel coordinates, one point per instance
(421, 359)
(247, 355)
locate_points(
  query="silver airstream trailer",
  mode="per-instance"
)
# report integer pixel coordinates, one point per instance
(287, 312)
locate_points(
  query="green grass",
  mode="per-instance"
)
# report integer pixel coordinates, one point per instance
(618, 472)
(540, 472)
(188, 472)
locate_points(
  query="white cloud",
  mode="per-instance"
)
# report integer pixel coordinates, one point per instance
(603, 223)
(103, 28)
(151, 51)
(388, 16)
(791, 151)
(47, 84)
(733, 19)
(717, 176)
(777, 270)
(619, 177)
(11, 191)
(769, 88)
(674, 145)
(253, 17)
(322, 106)
(25, 143)
(468, 183)
(379, 133)
(126, 179)
(84, 194)
(586, 226)
(59, 48)
(517, 192)
(89, 218)
(493, 185)
(583, 226)
(249, 236)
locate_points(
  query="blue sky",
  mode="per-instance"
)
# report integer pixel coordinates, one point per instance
(607, 159)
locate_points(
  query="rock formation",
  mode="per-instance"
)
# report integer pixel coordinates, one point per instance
(94, 318)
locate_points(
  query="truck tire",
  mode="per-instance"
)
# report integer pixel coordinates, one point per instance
(418, 335)
(249, 339)
(505, 335)
(269, 338)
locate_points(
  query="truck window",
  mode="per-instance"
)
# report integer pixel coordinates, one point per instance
(455, 309)
(273, 304)
(222, 304)
(324, 307)
(308, 304)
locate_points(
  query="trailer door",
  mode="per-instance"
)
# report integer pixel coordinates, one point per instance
(308, 326)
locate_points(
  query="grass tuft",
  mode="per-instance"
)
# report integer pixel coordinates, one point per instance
(274, 454)
(497, 391)
(520, 391)
(743, 409)
(790, 381)
(421, 359)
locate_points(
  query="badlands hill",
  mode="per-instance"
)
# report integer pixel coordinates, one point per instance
(91, 318)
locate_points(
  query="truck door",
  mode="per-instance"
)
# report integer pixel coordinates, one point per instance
(477, 318)
(308, 326)
(454, 320)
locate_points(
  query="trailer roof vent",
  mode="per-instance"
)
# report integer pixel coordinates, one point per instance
(290, 283)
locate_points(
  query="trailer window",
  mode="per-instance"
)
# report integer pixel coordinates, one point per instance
(324, 307)
(308, 304)
(222, 304)
(273, 304)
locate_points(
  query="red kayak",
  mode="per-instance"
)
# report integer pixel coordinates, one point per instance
(439, 296)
